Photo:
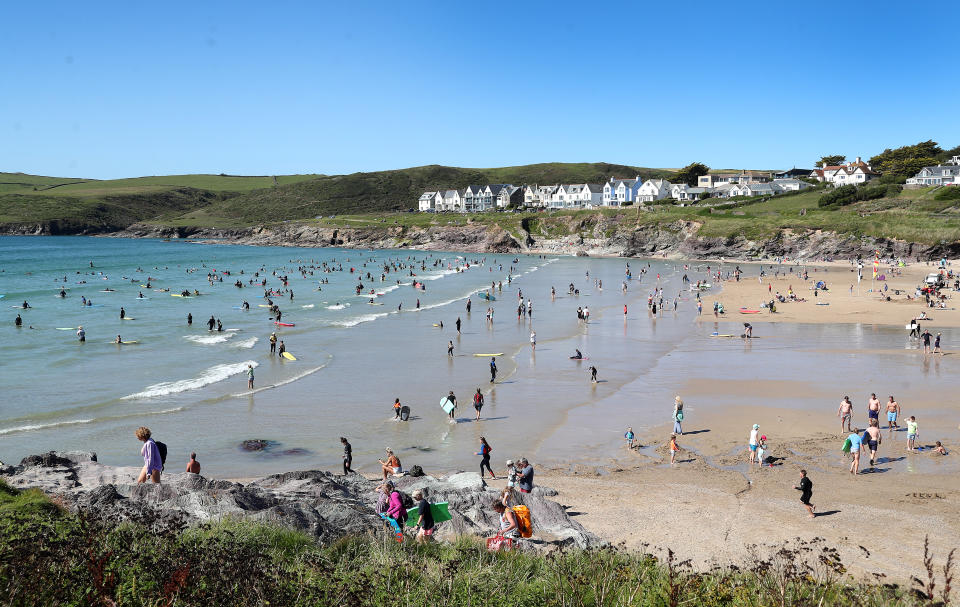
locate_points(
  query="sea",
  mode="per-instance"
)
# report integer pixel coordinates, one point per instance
(357, 353)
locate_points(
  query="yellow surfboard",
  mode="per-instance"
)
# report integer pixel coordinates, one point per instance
(496, 354)
(289, 356)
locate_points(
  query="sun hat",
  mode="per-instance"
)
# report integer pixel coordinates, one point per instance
(756, 426)
(509, 462)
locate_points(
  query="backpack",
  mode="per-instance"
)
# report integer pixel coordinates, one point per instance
(406, 500)
(680, 415)
(524, 523)
(162, 448)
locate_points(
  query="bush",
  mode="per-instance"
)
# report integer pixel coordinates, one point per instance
(849, 194)
(951, 192)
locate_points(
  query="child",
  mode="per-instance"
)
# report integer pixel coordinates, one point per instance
(396, 408)
(593, 374)
(760, 448)
(629, 436)
(939, 449)
(673, 448)
(911, 432)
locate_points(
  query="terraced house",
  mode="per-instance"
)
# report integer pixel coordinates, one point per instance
(618, 192)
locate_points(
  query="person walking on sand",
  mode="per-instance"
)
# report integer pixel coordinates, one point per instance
(347, 455)
(912, 432)
(193, 466)
(873, 409)
(493, 369)
(484, 453)
(533, 340)
(458, 325)
(754, 441)
(677, 415)
(152, 462)
(893, 411)
(249, 377)
(856, 445)
(874, 439)
(478, 402)
(674, 447)
(630, 437)
(926, 341)
(845, 413)
(806, 492)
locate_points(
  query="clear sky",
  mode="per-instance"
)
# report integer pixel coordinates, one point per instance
(103, 90)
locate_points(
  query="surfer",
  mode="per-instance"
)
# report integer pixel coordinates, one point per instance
(119, 341)
(593, 374)
(347, 455)
(123, 313)
(453, 401)
(396, 408)
(64, 293)
(478, 402)
(273, 344)
(281, 349)
(806, 492)
(458, 325)
(26, 305)
(81, 334)
(493, 369)
(577, 356)
(211, 323)
(219, 325)
(484, 453)
(18, 321)
(140, 296)
(189, 319)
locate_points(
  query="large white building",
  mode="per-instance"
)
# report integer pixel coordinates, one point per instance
(942, 174)
(852, 173)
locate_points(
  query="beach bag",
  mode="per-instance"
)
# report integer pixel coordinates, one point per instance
(498, 543)
(524, 523)
(162, 448)
(416, 471)
(406, 500)
(680, 415)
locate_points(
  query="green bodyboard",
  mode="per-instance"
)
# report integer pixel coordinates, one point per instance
(439, 512)
(846, 446)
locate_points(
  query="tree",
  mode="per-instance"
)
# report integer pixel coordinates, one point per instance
(831, 161)
(906, 160)
(690, 173)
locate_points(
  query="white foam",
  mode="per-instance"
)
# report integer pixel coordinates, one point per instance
(307, 306)
(210, 376)
(338, 306)
(30, 427)
(245, 344)
(356, 320)
(437, 276)
(286, 381)
(209, 339)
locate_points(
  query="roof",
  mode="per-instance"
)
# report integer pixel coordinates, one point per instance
(450, 193)
(428, 195)
(594, 188)
(937, 171)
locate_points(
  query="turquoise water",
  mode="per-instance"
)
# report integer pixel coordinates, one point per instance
(188, 384)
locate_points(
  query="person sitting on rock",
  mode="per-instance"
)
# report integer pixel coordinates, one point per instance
(391, 466)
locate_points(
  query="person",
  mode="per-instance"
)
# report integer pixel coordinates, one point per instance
(123, 313)
(508, 521)
(806, 492)
(845, 413)
(893, 410)
(578, 355)
(211, 323)
(911, 432)
(677, 415)
(383, 497)
(273, 344)
(396, 408)
(249, 377)
(18, 322)
(493, 369)
(395, 509)
(926, 341)
(629, 436)
(674, 447)
(533, 340)
(392, 465)
(525, 480)
(152, 463)
(478, 402)
(81, 334)
(936, 345)
(856, 444)
(761, 448)
(281, 348)
(450, 348)
(747, 330)
(939, 450)
(458, 325)
(593, 374)
(484, 453)
(512, 475)
(347, 455)
(624, 311)
(873, 409)
(754, 441)
(453, 410)
(193, 466)
(219, 326)
(425, 522)
(118, 340)
(873, 440)
(189, 319)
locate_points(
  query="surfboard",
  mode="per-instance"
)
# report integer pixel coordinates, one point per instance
(439, 511)
(263, 306)
(746, 311)
(404, 413)
(128, 318)
(289, 356)
(495, 354)
(436, 325)
(66, 328)
(284, 324)
(237, 307)
(397, 533)
(446, 404)
(123, 343)
(372, 303)
(823, 303)
(176, 295)
(722, 336)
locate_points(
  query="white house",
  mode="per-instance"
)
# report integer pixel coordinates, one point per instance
(942, 174)
(852, 173)
(681, 191)
(585, 194)
(723, 190)
(791, 185)
(452, 201)
(531, 196)
(755, 189)
(714, 179)
(618, 192)
(654, 189)
(431, 201)
(471, 198)
(546, 193)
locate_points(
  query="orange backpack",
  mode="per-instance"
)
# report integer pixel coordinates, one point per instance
(524, 523)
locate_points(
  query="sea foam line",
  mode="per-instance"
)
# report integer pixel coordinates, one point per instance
(73, 422)
(286, 381)
(209, 339)
(210, 376)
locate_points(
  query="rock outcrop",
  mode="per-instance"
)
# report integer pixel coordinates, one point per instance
(322, 504)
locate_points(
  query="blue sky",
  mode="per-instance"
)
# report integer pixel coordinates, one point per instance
(104, 90)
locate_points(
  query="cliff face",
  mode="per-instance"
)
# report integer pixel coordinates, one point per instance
(598, 235)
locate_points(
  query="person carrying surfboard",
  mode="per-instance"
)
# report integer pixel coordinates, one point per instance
(396, 408)
(453, 401)
(425, 523)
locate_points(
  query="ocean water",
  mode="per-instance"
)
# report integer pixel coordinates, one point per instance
(188, 384)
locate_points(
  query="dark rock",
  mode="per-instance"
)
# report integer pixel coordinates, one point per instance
(416, 471)
(255, 444)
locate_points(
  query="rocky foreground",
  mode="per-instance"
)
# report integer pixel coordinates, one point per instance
(322, 504)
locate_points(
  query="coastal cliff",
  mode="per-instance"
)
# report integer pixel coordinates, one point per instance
(592, 235)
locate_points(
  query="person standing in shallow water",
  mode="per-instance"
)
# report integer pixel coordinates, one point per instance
(493, 369)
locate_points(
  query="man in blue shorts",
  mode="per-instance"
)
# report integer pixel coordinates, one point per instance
(893, 410)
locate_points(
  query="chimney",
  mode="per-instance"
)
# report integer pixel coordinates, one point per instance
(858, 160)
